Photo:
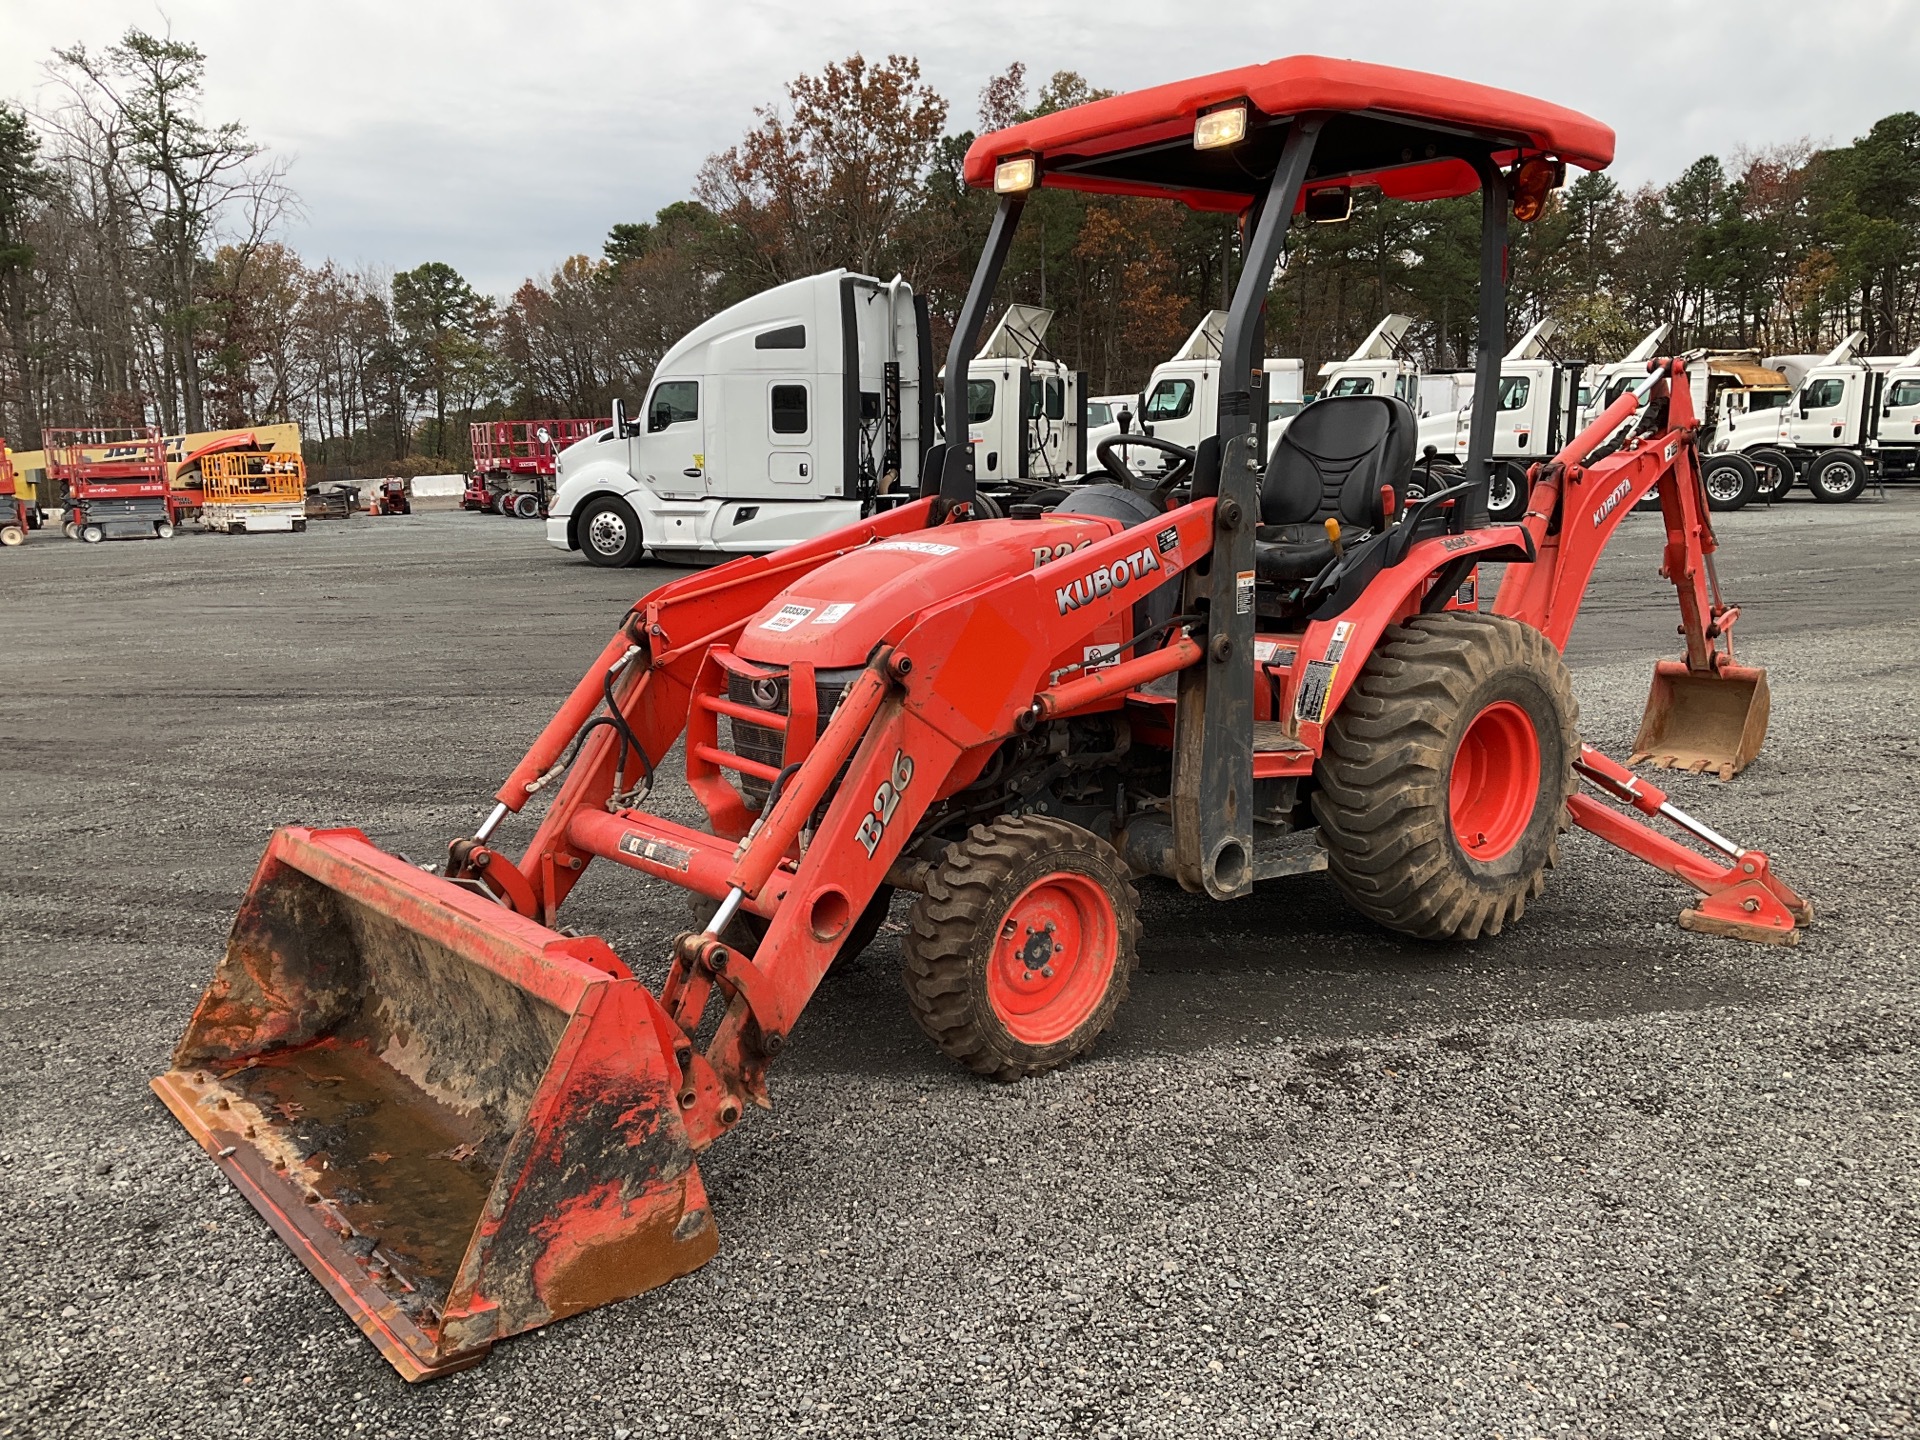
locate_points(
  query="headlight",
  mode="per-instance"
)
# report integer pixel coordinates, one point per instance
(1218, 129)
(1015, 176)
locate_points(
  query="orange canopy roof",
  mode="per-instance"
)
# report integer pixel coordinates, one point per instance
(1403, 130)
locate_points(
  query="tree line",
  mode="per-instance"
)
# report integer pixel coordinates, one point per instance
(143, 278)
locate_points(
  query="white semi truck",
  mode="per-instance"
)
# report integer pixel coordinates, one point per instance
(794, 412)
(1181, 398)
(1852, 417)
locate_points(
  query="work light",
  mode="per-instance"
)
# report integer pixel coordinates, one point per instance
(1218, 129)
(1011, 177)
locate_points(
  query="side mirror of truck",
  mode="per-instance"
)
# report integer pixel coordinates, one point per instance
(619, 418)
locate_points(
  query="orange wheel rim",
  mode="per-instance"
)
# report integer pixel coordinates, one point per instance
(1053, 958)
(1495, 781)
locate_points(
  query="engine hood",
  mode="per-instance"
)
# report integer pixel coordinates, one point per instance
(834, 616)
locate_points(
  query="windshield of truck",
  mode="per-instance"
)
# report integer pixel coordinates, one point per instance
(1765, 400)
(673, 402)
(1903, 393)
(979, 401)
(1099, 413)
(1514, 390)
(1822, 394)
(1352, 385)
(1618, 386)
(1170, 400)
(1282, 410)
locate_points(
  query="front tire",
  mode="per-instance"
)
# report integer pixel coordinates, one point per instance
(1836, 477)
(1777, 473)
(1444, 784)
(1020, 950)
(92, 534)
(526, 506)
(1731, 481)
(609, 532)
(11, 535)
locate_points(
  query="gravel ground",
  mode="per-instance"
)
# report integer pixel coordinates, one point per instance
(1595, 1177)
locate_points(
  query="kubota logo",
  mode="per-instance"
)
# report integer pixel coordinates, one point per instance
(1611, 503)
(1108, 578)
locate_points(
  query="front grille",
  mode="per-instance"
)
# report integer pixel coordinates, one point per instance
(762, 742)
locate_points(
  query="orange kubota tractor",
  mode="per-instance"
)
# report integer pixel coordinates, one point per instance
(468, 1122)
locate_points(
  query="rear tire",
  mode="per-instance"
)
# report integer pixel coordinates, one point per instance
(609, 532)
(526, 506)
(1777, 473)
(1444, 784)
(1731, 481)
(11, 535)
(163, 531)
(1836, 477)
(1020, 950)
(92, 534)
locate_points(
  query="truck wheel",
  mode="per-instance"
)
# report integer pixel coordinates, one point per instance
(1836, 476)
(1444, 784)
(1020, 950)
(1506, 492)
(1777, 473)
(1731, 482)
(609, 532)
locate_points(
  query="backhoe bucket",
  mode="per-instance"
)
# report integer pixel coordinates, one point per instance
(462, 1122)
(1699, 721)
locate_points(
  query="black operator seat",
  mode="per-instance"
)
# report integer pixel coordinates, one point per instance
(1330, 463)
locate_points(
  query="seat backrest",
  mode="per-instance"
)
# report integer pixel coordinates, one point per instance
(1333, 458)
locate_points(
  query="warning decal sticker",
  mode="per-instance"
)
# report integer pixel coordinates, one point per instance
(653, 849)
(916, 547)
(1315, 686)
(1337, 646)
(1243, 593)
(834, 614)
(786, 617)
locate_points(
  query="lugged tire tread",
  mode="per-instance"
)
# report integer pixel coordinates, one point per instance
(946, 923)
(1382, 780)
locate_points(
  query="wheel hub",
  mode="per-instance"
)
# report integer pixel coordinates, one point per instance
(1053, 957)
(607, 533)
(1495, 781)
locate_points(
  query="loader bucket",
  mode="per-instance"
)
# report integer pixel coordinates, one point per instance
(1698, 721)
(462, 1122)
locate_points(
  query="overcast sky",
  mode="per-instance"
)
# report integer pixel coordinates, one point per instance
(502, 138)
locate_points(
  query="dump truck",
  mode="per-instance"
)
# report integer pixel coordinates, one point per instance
(253, 492)
(468, 1119)
(112, 481)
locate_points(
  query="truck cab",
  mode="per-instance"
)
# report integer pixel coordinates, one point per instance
(1182, 395)
(780, 418)
(1025, 411)
(1382, 364)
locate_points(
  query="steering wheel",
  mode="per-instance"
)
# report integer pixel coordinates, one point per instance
(1108, 453)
